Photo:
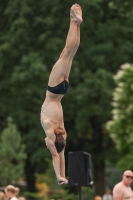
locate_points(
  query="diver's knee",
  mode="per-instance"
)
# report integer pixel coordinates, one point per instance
(66, 53)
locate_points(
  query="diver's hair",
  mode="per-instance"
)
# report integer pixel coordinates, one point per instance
(11, 188)
(2, 196)
(60, 143)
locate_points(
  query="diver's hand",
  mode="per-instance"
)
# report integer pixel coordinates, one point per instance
(62, 181)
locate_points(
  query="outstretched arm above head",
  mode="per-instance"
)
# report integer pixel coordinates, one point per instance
(62, 164)
(57, 161)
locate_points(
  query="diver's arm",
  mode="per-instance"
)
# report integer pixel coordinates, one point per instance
(62, 163)
(55, 159)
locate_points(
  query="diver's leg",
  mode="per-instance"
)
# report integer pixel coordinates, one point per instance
(70, 62)
(63, 65)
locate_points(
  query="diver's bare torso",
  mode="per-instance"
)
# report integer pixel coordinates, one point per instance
(52, 113)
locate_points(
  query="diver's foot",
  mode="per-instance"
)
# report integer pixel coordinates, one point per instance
(76, 13)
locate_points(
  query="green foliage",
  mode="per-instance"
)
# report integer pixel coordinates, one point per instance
(121, 126)
(54, 190)
(12, 155)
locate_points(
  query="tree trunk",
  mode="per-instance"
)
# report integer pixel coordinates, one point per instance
(98, 156)
(30, 176)
(99, 179)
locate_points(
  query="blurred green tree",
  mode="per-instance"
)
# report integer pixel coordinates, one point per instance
(12, 155)
(54, 191)
(121, 126)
